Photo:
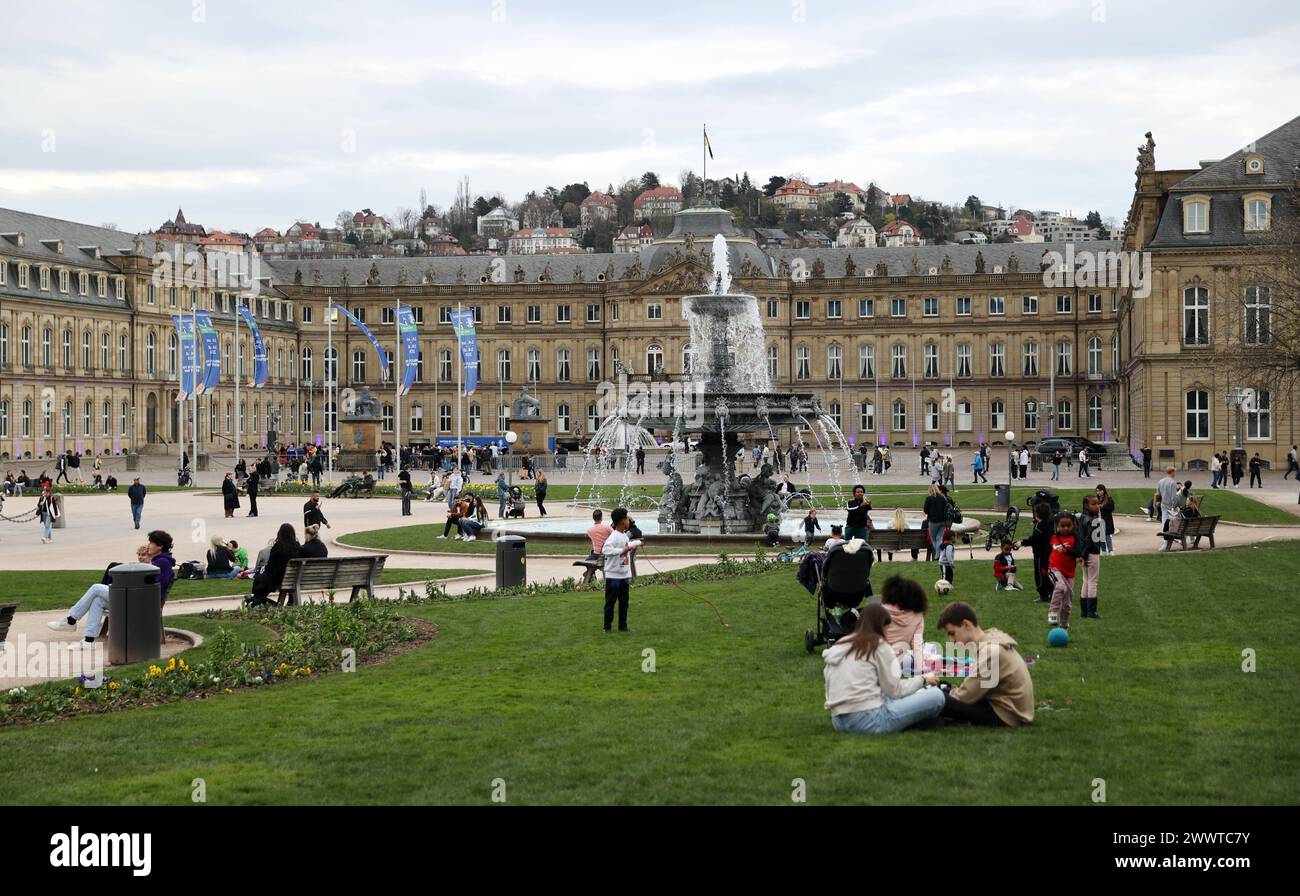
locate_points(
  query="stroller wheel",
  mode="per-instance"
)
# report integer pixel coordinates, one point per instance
(809, 641)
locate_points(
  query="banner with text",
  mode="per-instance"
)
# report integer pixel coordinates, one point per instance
(379, 349)
(261, 370)
(211, 353)
(410, 337)
(463, 321)
(189, 364)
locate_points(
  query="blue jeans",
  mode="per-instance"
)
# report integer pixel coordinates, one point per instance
(136, 510)
(1056, 471)
(501, 508)
(48, 521)
(936, 536)
(893, 716)
(92, 606)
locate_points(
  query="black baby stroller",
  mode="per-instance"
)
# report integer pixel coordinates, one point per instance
(515, 503)
(843, 583)
(1003, 530)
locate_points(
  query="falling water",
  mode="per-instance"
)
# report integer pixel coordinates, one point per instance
(628, 461)
(833, 433)
(831, 468)
(721, 266)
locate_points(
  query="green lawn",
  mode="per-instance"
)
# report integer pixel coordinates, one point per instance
(1152, 699)
(425, 538)
(61, 588)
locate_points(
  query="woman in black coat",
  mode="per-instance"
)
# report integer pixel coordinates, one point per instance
(283, 549)
(312, 546)
(229, 495)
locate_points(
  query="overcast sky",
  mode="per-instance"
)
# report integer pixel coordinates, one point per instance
(253, 114)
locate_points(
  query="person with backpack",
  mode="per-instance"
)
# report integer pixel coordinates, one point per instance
(936, 514)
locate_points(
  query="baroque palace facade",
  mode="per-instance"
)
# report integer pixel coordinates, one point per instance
(948, 345)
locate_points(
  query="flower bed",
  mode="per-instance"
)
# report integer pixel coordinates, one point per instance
(314, 639)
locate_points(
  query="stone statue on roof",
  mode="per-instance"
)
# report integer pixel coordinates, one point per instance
(1146, 156)
(979, 262)
(372, 279)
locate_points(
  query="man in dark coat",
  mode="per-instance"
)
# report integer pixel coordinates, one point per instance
(229, 495)
(254, 483)
(311, 514)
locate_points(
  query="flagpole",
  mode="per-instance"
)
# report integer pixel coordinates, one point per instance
(194, 396)
(329, 347)
(397, 387)
(239, 421)
(460, 372)
(181, 398)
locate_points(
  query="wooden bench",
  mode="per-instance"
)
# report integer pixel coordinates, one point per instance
(590, 568)
(6, 619)
(1193, 527)
(891, 540)
(330, 574)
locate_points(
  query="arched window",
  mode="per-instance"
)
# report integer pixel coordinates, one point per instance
(997, 360)
(1258, 308)
(964, 415)
(386, 412)
(930, 358)
(331, 419)
(306, 416)
(932, 416)
(87, 419)
(563, 373)
(593, 417)
(4, 418)
(47, 347)
(1030, 354)
(834, 362)
(835, 414)
(230, 419)
(27, 347)
(67, 419)
(1094, 413)
(1196, 316)
(1065, 414)
(1196, 215)
(306, 367)
(1197, 412)
(1064, 358)
(1094, 357)
(773, 363)
(87, 361)
(417, 418)
(900, 415)
(150, 349)
(867, 423)
(331, 364)
(535, 365)
(802, 363)
(654, 358)
(444, 418)
(1259, 416)
(27, 419)
(67, 349)
(475, 419)
(898, 365)
(503, 365)
(562, 417)
(963, 359)
(171, 354)
(358, 367)
(1031, 415)
(997, 415)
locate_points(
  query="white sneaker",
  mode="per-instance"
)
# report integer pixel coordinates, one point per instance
(82, 645)
(45, 541)
(471, 538)
(61, 625)
(441, 537)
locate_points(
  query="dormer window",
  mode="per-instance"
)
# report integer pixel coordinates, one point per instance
(45, 279)
(22, 276)
(1254, 164)
(63, 280)
(83, 283)
(1196, 214)
(1258, 211)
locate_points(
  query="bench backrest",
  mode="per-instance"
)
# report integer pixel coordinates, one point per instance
(1195, 525)
(324, 573)
(891, 538)
(6, 618)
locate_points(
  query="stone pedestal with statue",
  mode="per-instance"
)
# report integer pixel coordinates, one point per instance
(526, 421)
(359, 433)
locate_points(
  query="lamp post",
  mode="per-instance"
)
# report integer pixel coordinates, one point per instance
(1011, 458)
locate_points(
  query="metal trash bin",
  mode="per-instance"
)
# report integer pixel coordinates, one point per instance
(60, 522)
(132, 462)
(135, 613)
(512, 551)
(1002, 498)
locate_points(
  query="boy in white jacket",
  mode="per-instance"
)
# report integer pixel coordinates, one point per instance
(865, 690)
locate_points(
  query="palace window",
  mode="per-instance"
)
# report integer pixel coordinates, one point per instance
(1259, 416)
(503, 365)
(932, 416)
(963, 306)
(997, 415)
(1029, 366)
(866, 362)
(1196, 405)
(867, 423)
(1064, 358)
(803, 363)
(1257, 212)
(963, 359)
(1065, 414)
(898, 361)
(1196, 215)
(834, 309)
(930, 357)
(802, 310)
(997, 306)
(900, 415)
(930, 306)
(1030, 305)
(562, 417)
(997, 360)
(866, 307)
(1094, 413)
(834, 363)
(898, 307)
(562, 365)
(1196, 316)
(1031, 415)
(1094, 356)
(1258, 307)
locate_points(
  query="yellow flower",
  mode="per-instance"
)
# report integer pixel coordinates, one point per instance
(112, 685)
(229, 691)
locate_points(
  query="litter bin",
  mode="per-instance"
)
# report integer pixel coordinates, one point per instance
(1002, 498)
(132, 462)
(61, 522)
(511, 553)
(135, 613)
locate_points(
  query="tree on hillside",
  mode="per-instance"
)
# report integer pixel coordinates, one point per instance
(972, 206)
(570, 215)
(1093, 219)
(649, 181)
(574, 193)
(692, 187)
(774, 183)
(343, 220)
(600, 236)
(727, 196)
(624, 196)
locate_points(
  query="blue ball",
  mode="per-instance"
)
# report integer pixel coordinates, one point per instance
(1058, 637)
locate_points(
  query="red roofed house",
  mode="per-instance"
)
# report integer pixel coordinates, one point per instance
(543, 241)
(224, 242)
(596, 207)
(180, 230)
(658, 203)
(901, 199)
(632, 238)
(899, 233)
(1022, 230)
(301, 230)
(826, 192)
(369, 227)
(796, 194)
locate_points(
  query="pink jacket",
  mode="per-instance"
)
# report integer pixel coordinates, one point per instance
(906, 632)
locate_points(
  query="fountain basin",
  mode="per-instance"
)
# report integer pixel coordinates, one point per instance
(791, 524)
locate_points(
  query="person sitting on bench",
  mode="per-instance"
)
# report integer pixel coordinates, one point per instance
(271, 576)
(94, 602)
(312, 546)
(457, 510)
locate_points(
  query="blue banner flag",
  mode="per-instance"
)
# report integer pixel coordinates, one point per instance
(463, 322)
(189, 358)
(261, 370)
(379, 349)
(410, 337)
(211, 353)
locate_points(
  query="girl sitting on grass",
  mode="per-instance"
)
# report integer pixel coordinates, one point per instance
(905, 601)
(865, 690)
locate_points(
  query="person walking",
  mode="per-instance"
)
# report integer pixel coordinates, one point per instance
(311, 513)
(1167, 491)
(1216, 470)
(47, 511)
(1236, 470)
(978, 463)
(136, 494)
(1292, 463)
(640, 459)
(539, 489)
(316, 466)
(1024, 462)
(1146, 462)
(229, 495)
(936, 515)
(925, 460)
(1256, 471)
(61, 465)
(1057, 457)
(454, 483)
(254, 484)
(1083, 464)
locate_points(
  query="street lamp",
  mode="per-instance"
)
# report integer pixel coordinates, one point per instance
(1011, 458)
(511, 438)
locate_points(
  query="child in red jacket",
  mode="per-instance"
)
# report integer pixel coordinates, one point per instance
(1061, 566)
(1004, 569)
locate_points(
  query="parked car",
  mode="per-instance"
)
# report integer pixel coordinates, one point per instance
(1068, 445)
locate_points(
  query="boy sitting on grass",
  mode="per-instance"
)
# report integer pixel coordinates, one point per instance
(1004, 568)
(1000, 692)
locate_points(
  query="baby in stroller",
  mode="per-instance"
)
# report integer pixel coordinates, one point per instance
(843, 583)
